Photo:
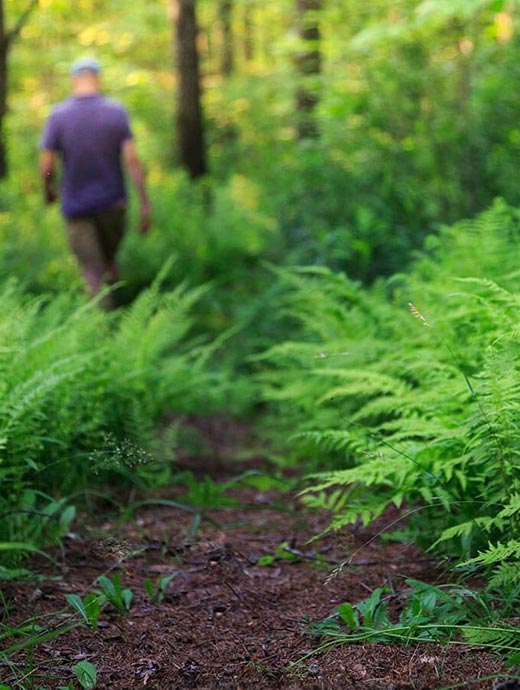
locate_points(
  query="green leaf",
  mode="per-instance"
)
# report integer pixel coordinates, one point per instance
(67, 517)
(86, 674)
(148, 585)
(348, 615)
(373, 609)
(127, 597)
(108, 587)
(513, 659)
(92, 607)
(265, 560)
(165, 581)
(76, 602)
(20, 546)
(13, 573)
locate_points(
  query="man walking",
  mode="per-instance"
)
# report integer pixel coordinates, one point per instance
(91, 135)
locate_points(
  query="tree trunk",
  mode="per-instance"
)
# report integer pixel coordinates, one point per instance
(190, 130)
(225, 10)
(308, 65)
(4, 48)
(6, 39)
(248, 45)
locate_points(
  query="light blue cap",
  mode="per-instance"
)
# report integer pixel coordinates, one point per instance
(85, 65)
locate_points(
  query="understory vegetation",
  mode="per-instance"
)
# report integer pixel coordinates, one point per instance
(83, 397)
(407, 393)
(354, 294)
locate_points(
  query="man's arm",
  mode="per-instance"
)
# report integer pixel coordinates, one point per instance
(136, 172)
(47, 172)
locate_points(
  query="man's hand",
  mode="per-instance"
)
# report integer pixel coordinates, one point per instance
(145, 219)
(49, 192)
(47, 167)
(136, 172)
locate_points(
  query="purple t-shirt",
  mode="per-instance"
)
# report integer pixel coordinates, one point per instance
(88, 132)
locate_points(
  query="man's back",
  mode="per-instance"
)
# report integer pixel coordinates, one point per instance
(91, 134)
(88, 133)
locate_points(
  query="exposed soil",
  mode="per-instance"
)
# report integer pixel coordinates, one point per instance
(225, 621)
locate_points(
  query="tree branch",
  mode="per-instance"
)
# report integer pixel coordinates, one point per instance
(16, 30)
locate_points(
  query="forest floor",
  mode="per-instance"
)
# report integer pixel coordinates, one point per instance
(225, 621)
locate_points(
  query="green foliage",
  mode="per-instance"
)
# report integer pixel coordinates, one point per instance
(113, 591)
(282, 553)
(412, 96)
(157, 591)
(428, 613)
(89, 608)
(82, 393)
(412, 405)
(86, 674)
(418, 128)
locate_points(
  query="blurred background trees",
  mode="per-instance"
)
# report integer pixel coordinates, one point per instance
(414, 103)
(190, 128)
(308, 64)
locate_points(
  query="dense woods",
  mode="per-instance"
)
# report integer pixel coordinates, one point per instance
(333, 260)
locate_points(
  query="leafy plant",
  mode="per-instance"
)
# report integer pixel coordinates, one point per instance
(205, 493)
(282, 553)
(89, 607)
(157, 591)
(59, 358)
(414, 407)
(86, 674)
(112, 589)
(429, 613)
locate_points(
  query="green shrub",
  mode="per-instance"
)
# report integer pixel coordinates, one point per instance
(415, 404)
(82, 393)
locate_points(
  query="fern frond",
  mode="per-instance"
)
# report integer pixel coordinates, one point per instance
(495, 553)
(501, 637)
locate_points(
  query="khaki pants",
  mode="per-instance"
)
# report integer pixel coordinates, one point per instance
(95, 239)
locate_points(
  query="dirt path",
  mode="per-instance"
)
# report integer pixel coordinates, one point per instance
(226, 622)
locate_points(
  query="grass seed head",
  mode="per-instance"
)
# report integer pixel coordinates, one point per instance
(415, 312)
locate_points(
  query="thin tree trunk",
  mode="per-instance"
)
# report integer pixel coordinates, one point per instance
(248, 45)
(6, 40)
(4, 49)
(225, 8)
(190, 130)
(308, 64)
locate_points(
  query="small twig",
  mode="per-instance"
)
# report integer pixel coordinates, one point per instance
(424, 559)
(240, 598)
(310, 556)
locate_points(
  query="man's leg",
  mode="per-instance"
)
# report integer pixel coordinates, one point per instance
(84, 241)
(111, 226)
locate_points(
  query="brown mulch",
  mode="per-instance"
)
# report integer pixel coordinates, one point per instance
(227, 623)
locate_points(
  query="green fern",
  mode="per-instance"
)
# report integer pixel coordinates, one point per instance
(422, 411)
(84, 390)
